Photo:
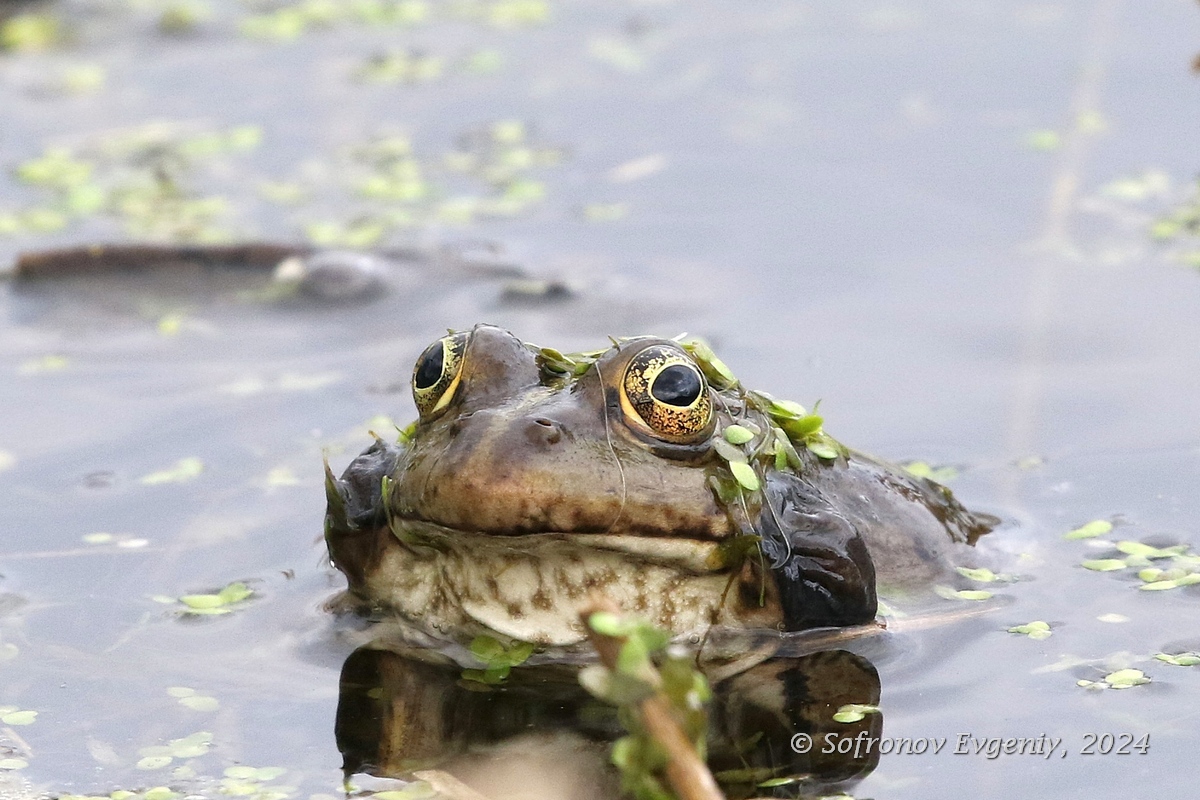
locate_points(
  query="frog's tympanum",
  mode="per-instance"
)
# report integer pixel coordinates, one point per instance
(644, 473)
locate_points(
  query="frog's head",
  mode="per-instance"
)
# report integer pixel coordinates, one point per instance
(506, 446)
(532, 480)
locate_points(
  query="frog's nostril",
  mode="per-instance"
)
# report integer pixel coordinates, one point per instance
(546, 430)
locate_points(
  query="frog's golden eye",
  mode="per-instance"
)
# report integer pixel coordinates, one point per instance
(664, 389)
(436, 374)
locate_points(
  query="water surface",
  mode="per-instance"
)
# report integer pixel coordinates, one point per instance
(932, 216)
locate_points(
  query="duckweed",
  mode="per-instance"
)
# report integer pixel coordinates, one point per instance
(139, 177)
(981, 575)
(280, 477)
(1146, 551)
(28, 32)
(974, 595)
(253, 782)
(11, 715)
(160, 756)
(1183, 569)
(182, 17)
(223, 602)
(498, 659)
(45, 364)
(154, 793)
(745, 475)
(484, 62)
(1182, 224)
(185, 469)
(516, 13)
(1044, 140)
(1104, 564)
(923, 469)
(56, 168)
(1188, 659)
(400, 67)
(170, 324)
(1034, 630)
(1097, 527)
(1150, 184)
(294, 19)
(854, 712)
(605, 212)
(395, 188)
(190, 698)
(79, 79)
(1172, 583)
(1126, 678)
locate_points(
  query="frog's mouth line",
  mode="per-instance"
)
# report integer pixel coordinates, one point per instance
(688, 554)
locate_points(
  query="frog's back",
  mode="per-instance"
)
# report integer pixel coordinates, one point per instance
(915, 529)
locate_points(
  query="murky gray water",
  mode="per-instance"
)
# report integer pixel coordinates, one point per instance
(934, 217)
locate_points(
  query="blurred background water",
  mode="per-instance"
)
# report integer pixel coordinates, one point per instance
(968, 228)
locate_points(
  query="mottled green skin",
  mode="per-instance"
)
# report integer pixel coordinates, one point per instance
(532, 490)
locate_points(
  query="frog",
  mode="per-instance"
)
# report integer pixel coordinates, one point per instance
(643, 472)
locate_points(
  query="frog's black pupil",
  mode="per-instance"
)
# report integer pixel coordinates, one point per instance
(429, 366)
(676, 385)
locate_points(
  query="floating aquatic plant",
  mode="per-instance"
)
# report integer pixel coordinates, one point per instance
(1120, 679)
(1188, 659)
(1097, 527)
(1037, 629)
(498, 659)
(190, 698)
(185, 469)
(854, 712)
(228, 599)
(12, 715)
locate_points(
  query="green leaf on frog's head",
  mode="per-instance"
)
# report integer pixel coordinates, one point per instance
(737, 434)
(745, 475)
(804, 427)
(713, 368)
(825, 447)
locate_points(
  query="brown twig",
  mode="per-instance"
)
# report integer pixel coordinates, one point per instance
(102, 258)
(688, 774)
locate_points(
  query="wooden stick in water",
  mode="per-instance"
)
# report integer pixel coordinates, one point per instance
(688, 774)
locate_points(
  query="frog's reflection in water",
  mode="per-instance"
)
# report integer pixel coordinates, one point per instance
(540, 734)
